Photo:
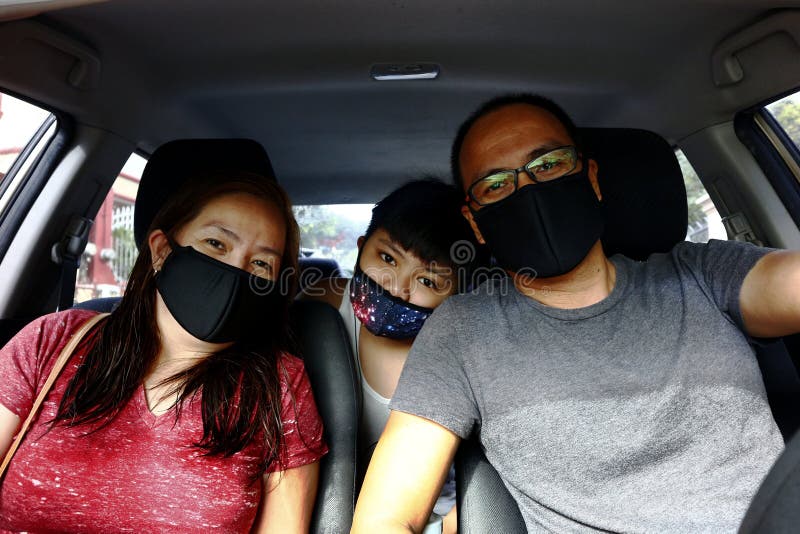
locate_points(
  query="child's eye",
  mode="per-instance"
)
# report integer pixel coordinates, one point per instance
(427, 282)
(387, 258)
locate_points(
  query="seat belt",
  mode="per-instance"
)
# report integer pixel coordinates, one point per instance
(67, 253)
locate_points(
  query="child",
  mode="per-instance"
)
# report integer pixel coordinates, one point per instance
(418, 250)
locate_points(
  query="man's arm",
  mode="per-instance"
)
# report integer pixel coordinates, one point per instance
(405, 475)
(288, 500)
(770, 296)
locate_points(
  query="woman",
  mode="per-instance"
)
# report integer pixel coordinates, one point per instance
(181, 411)
(417, 251)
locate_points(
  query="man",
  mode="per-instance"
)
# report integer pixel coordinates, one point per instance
(610, 395)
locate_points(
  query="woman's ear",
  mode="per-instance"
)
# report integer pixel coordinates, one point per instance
(159, 248)
(360, 242)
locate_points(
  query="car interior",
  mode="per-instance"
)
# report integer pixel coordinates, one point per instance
(352, 99)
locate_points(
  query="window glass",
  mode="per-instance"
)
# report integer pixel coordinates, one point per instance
(331, 231)
(19, 122)
(787, 112)
(326, 231)
(704, 220)
(111, 251)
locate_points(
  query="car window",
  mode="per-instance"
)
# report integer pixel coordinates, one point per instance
(111, 251)
(705, 221)
(25, 130)
(786, 112)
(331, 231)
(326, 231)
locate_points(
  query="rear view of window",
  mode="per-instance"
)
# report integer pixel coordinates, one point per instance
(787, 112)
(24, 132)
(108, 259)
(704, 220)
(331, 231)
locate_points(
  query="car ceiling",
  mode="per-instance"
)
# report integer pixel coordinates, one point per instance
(295, 75)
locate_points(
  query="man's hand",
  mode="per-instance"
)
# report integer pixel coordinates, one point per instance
(770, 295)
(405, 475)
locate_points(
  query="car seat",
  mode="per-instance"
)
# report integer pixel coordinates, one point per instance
(312, 270)
(776, 506)
(646, 212)
(319, 334)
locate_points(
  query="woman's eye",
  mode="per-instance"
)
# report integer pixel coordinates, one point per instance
(265, 265)
(387, 258)
(215, 243)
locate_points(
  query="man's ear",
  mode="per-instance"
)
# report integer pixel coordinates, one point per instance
(159, 248)
(465, 211)
(593, 179)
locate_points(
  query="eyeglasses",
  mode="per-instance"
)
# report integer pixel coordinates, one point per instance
(499, 185)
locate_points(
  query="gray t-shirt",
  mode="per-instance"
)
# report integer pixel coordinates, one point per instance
(645, 412)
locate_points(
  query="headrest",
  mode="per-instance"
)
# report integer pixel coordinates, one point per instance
(312, 270)
(643, 191)
(173, 163)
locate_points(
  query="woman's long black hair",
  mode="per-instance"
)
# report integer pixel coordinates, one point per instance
(239, 387)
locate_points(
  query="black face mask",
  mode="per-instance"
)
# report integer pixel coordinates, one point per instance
(217, 302)
(544, 229)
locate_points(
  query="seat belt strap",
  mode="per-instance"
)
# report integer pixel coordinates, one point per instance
(67, 253)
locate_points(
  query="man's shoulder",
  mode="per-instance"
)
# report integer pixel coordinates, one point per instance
(688, 252)
(487, 292)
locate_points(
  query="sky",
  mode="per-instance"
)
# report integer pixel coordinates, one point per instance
(19, 121)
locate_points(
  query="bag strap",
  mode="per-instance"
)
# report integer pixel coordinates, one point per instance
(62, 360)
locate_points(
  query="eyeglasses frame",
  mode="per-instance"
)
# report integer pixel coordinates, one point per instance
(524, 168)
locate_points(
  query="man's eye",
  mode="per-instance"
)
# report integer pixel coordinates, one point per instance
(494, 187)
(546, 166)
(387, 258)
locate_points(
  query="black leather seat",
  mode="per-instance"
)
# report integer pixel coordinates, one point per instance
(320, 336)
(776, 506)
(312, 270)
(646, 212)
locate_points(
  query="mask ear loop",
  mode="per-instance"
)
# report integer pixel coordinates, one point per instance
(172, 246)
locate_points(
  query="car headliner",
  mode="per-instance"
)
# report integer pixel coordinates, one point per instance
(295, 75)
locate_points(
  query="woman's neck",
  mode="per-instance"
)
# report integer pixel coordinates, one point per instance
(178, 351)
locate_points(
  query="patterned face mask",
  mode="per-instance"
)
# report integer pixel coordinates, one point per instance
(382, 313)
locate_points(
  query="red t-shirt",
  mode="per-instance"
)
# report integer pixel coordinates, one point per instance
(140, 473)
